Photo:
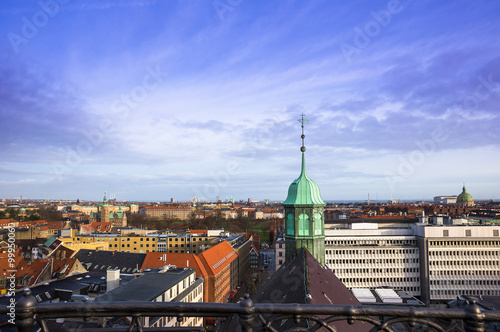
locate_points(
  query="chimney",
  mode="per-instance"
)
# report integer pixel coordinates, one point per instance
(112, 279)
(63, 254)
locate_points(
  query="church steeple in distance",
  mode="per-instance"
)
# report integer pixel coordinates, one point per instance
(304, 213)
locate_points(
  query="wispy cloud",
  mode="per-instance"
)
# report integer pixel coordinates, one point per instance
(234, 89)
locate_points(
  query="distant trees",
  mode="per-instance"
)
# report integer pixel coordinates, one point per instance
(33, 216)
(13, 213)
(137, 220)
(239, 224)
(49, 213)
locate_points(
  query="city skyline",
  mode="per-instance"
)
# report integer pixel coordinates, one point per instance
(151, 100)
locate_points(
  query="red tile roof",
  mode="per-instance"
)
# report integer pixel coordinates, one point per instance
(63, 266)
(160, 259)
(6, 222)
(33, 223)
(56, 224)
(5, 266)
(218, 257)
(198, 231)
(33, 269)
(87, 228)
(101, 226)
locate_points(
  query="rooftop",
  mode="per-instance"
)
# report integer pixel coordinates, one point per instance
(147, 287)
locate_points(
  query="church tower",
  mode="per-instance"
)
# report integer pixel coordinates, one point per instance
(304, 214)
(105, 209)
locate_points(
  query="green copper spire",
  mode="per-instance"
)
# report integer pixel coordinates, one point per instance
(303, 191)
(104, 200)
(304, 213)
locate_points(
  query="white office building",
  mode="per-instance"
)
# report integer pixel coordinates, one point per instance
(434, 262)
(373, 258)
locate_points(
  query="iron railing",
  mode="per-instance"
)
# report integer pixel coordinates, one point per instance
(252, 317)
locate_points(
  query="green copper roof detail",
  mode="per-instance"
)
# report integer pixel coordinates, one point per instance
(464, 196)
(304, 191)
(104, 200)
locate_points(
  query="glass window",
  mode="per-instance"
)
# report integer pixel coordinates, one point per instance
(318, 224)
(304, 224)
(290, 224)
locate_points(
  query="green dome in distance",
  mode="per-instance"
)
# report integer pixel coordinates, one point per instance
(464, 196)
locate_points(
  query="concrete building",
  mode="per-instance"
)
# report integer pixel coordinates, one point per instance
(115, 242)
(280, 250)
(170, 284)
(458, 260)
(168, 212)
(158, 260)
(434, 262)
(445, 200)
(254, 257)
(370, 258)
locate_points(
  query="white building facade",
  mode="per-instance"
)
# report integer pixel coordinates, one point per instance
(436, 263)
(459, 260)
(373, 258)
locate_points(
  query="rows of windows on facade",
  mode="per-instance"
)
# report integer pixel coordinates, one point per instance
(430, 253)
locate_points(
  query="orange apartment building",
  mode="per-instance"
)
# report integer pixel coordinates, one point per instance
(221, 264)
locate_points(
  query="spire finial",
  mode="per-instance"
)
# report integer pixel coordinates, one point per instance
(303, 121)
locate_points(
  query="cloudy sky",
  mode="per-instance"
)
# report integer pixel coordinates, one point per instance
(150, 100)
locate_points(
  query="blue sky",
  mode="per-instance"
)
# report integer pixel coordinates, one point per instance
(157, 99)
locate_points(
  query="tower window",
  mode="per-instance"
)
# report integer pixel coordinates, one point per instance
(290, 224)
(318, 224)
(304, 224)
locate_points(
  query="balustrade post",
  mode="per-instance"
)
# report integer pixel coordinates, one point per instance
(25, 312)
(246, 319)
(474, 321)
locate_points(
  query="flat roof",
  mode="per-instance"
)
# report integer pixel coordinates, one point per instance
(146, 287)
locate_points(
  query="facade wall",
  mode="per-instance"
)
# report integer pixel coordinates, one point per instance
(280, 254)
(175, 212)
(222, 284)
(243, 260)
(254, 259)
(437, 263)
(370, 262)
(187, 244)
(144, 244)
(194, 295)
(461, 266)
(138, 244)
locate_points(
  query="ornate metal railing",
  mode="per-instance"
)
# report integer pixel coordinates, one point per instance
(251, 317)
